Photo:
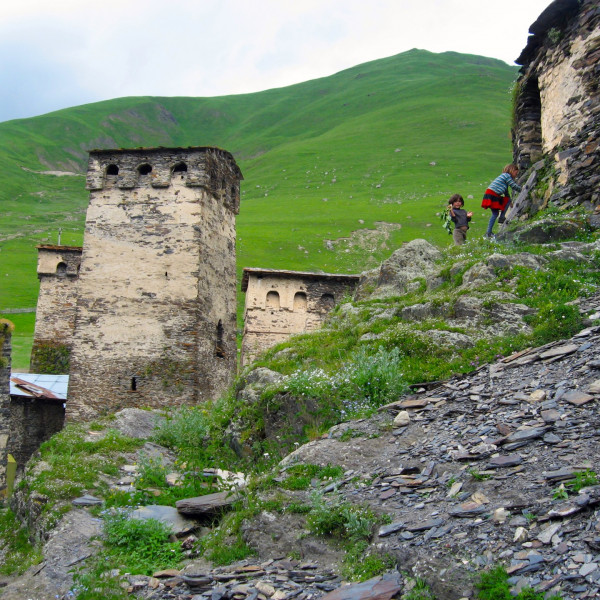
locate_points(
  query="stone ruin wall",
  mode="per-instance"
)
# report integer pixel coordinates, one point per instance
(156, 310)
(6, 329)
(282, 303)
(58, 271)
(557, 107)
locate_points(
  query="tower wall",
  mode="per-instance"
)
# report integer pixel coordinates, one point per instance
(283, 303)
(58, 272)
(156, 308)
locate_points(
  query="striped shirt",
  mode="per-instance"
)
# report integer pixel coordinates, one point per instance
(501, 183)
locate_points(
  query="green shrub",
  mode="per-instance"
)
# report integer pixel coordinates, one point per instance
(140, 546)
(493, 585)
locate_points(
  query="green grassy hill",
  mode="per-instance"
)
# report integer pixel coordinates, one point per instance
(327, 163)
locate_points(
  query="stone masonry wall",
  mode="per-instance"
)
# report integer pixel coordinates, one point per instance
(6, 328)
(557, 109)
(58, 272)
(283, 303)
(156, 312)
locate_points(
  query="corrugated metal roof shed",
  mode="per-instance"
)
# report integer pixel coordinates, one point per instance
(35, 385)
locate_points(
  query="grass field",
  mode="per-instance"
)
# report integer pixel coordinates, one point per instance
(327, 163)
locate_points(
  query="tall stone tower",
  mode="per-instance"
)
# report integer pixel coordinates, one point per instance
(58, 271)
(156, 309)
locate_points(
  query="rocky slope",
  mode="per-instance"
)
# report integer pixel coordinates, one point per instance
(469, 473)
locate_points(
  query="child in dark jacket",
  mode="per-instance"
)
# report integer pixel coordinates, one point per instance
(460, 217)
(496, 196)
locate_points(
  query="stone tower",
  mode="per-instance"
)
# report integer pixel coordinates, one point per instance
(156, 308)
(557, 107)
(58, 271)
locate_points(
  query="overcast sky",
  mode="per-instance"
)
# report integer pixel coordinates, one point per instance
(60, 53)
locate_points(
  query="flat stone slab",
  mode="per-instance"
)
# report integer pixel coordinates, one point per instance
(577, 398)
(206, 505)
(419, 403)
(509, 460)
(523, 435)
(165, 514)
(467, 510)
(384, 587)
(386, 530)
(387, 494)
(87, 500)
(559, 351)
(425, 525)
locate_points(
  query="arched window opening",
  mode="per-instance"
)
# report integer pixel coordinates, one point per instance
(300, 302)
(144, 169)
(112, 170)
(61, 269)
(326, 302)
(180, 168)
(273, 300)
(219, 348)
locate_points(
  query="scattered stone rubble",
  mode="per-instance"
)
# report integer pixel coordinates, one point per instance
(470, 473)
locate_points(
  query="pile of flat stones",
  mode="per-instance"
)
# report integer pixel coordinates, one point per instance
(281, 579)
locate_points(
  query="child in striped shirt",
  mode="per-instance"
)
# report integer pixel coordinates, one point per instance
(496, 196)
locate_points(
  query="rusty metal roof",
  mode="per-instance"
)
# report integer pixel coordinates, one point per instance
(36, 385)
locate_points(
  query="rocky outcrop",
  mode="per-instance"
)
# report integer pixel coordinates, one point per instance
(398, 274)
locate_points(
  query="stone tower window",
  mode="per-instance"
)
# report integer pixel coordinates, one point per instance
(61, 269)
(326, 302)
(144, 169)
(300, 302)
(134, 384)
(112, 170)
(180, 168)
(179, 172)
(219, 348)
(273, 300)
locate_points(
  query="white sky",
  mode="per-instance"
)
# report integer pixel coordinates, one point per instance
(60, 53)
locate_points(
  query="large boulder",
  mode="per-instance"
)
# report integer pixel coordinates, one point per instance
(414, 261)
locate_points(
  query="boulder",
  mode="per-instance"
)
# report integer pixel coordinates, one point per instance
(414, 260)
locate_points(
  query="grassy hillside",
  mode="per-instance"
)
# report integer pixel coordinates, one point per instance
(331, 159)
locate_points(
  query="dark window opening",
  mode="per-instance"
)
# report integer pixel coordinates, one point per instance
(219, 349)
(145, 169)
(61, 269)
(180, 168)
(326, 302)
(112, 170)
(166, 274)
(134, 384)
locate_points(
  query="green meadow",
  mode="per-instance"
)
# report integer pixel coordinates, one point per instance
(338, 171)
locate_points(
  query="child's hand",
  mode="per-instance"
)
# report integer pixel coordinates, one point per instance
(469, 214)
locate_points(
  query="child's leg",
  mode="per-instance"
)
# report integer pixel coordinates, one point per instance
(459, 237)
(502, 217)
(495, 213)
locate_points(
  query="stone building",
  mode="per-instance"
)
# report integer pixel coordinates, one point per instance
(37, 412)
(156, 299)
(6, 329)
(557, 108)
(58, 271)
(282, 303)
